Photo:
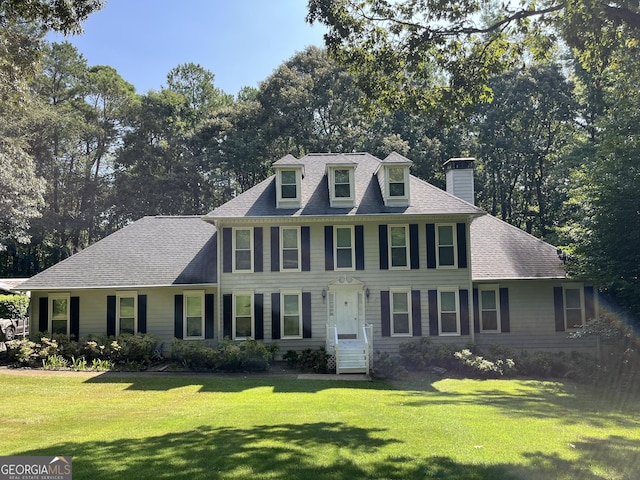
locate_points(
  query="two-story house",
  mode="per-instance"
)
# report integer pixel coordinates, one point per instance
(338, 250)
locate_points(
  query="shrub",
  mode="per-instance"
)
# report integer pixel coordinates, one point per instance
(13, 306)
(138, 349)
(386, 366)
(478, 365)
(308, 360)
(421, 354)
(229, 356)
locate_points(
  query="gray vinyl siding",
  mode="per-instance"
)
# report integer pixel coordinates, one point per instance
(93, 310)
(532, 321)
(317, 279)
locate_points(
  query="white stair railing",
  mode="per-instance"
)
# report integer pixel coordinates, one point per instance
(366, 335)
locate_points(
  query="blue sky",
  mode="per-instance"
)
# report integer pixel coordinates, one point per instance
(241, 41)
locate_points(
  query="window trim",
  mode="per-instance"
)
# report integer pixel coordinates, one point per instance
(455, 245)
(456, 291)
(341, 201)
(127, 294)
(298, 293)
(353, 248)
(407, 247)
(251, 249)
(52, 298)
(193, 293)
(407, 292)
(236, 294)
(580, 288)
(284, 202)
(405, 181)
(282, 249)
(496, 289)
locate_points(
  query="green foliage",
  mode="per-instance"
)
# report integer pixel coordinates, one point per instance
(14, 306)
(422, 353)
(386, 366)
(484, 367)
(308, 360)
(228, 356)
(130, 352)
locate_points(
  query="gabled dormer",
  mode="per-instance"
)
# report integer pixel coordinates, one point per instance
(341, 176)
(289, 173)
(393, 178)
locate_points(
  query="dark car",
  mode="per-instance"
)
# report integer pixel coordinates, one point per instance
(9, 328)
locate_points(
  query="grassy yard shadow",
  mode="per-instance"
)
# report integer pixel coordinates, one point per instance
(289, 451)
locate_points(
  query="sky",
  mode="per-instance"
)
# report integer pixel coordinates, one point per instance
(241, 41)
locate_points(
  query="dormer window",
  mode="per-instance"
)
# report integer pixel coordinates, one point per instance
(393, 177)
(288, 183)
(341, 185)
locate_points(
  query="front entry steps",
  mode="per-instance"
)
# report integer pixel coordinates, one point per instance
(352, 357)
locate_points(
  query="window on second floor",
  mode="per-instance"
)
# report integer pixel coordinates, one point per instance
(344, 251)
(446, 245)
(290, 243)
(341, 186)
(397, 182)
(242, 249)
(288, 187)
(398, 246)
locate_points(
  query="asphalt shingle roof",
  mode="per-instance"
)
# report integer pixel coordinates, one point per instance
(260, 201)
(500, 251)
(153, 251)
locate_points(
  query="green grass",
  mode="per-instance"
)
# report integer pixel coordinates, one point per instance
(173, 426)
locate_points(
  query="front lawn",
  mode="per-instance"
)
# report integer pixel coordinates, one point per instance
(156, 425)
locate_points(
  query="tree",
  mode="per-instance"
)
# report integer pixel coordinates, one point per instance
(426, 54)
(23, 24)
(522, 141)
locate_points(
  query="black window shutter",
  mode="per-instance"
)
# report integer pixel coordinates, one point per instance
(43, 314)
(328, 247)
(208, 315)
(359, 233)
(227, 250)
(111, 316)
(589, 303)
(142, 314)
(431, 245)
(306, 314)
(385, 313)
(433, 313)
(416, 313)
(257, 250)
(505, 321)
(383, 241)
(258, 314)
(74, 317)
(414, 246)
(476, 311)
(227, 312)
(275, 316)
(464, 312)
(178, 316)
(275, 249)
(305, 240)
(558, 308)
(461, 236)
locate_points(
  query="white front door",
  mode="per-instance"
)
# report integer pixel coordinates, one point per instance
(346, 309)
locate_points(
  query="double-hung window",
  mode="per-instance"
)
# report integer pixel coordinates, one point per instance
(243, 249)
(489, 312)
(290, 241)
(243, 316)
(291, 314)
(344, 248)
(194, 314)
(59, 306)
(400, 312)
(126, 312)
(449, 311)
(342, 185)
(398, 249)
(573, 306)
(288, 184)
(446, 245)
(396, 178)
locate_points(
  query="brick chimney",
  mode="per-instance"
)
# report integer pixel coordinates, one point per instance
(459, 175)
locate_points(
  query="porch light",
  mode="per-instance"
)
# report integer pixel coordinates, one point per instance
(367, 293)
(324, 295)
